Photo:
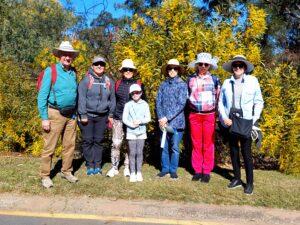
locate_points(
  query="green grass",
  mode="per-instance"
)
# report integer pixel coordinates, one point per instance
(272, 189)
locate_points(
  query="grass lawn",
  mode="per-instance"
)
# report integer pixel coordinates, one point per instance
(272, 189)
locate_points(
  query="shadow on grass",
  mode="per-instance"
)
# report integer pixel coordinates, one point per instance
(57, 168)
(226, 173)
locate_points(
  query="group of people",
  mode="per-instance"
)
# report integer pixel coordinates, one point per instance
(99, 102)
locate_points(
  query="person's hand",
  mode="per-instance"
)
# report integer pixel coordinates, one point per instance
(46, 125)
(110, 122)
(84, 121)
(227, 122)
(163, 122)
(136, 123)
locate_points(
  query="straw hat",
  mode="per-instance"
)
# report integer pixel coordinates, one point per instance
(172, 62)
(205, 58)
(238, 58)
(65, 46)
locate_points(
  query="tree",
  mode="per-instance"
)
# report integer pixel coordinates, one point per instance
(174, 31)
(28, 26)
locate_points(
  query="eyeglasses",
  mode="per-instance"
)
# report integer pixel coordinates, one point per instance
(203, 64)
(169, 68)
(102, 64)
(238, 65)
(135, 92)
(127, 70)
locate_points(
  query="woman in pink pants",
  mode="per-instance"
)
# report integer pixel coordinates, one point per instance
(204, 89)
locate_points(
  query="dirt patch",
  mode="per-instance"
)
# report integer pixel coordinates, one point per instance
(222, 214)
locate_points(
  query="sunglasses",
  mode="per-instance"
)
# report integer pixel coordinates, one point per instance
(203, 64)
(238, 65)
(135, 92)
(102, 64)
(127, 70)
(172, 68)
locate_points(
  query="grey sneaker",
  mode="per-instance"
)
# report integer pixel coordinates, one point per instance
(47, 182)
(70, 178)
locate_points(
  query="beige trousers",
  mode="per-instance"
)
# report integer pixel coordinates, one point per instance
(66, 128)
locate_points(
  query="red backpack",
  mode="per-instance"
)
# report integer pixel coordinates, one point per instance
(53, 75)
(119, 82)
(91, 81)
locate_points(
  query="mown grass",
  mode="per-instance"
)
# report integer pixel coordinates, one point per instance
(272, 189)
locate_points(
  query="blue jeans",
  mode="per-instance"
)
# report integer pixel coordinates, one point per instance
(170, 157)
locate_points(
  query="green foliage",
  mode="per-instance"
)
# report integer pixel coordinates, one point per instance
(19, 125)
(281, 117)
(30, 29)
(28, 26)
(173, 31)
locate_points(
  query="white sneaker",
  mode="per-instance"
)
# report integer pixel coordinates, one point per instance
(126, 172)
(47, 182)
(132, 177)
(112, 172)
(139, 177)
(70, 178)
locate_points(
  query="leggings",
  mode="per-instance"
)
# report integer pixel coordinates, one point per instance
(136, 154)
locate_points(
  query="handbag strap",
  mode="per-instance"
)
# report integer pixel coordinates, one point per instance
(233, 100)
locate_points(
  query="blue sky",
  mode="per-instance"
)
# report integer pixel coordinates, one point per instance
(94, 7)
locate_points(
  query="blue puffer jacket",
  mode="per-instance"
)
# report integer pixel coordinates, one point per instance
(170, 101)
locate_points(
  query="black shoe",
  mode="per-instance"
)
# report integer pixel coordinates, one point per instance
(249, 189)
(174, 176)
(235, 183)
(197, 177)
(162, 174)
(205, 178)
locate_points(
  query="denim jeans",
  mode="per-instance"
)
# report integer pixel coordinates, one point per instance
(171, 151)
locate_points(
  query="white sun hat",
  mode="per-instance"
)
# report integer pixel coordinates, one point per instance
(65, 46)
(127, 63)
(205, 57)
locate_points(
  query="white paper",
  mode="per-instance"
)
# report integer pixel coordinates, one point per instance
(163, 139)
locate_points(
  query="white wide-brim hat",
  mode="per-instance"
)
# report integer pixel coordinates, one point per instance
(65, 46)
(127, 63)
(205, 58)
(238, 58)
(172, 62)
(134, 87)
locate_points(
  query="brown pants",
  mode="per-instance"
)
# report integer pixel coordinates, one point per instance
(66, 128)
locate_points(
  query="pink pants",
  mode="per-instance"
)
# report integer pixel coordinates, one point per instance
(203, 140)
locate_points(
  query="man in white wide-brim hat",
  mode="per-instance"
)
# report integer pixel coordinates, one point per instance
(240, 94)
(57, 106)
(204, 89)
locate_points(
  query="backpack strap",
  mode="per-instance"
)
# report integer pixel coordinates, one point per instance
(118, 84)
(53, 74)
(107, 82)
(215, 80)
(91, 81)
